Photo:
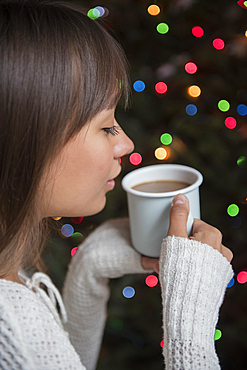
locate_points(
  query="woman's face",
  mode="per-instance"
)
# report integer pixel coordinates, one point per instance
(85, 169)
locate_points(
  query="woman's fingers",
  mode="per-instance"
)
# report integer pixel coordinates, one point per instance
(179, 213)
(201, 232)
(227, 253)
(208, 234)
(178, 226)
(149, 263)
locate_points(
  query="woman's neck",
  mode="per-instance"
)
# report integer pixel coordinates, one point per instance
(13, 277)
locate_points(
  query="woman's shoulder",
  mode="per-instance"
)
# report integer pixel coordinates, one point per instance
(13, 348)
(29, 325)
(19, 305)
(14, 293)
(11, 296)
(7, 312)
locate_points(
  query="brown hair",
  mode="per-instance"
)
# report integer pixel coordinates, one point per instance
(58, 69)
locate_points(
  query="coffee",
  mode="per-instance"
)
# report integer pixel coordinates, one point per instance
(163, 186)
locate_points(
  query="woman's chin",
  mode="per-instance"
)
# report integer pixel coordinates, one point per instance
(85, 210)
(93, 209)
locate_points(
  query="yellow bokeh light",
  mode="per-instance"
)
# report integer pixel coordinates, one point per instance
(161, 153)
(56, 218)
(194, 91)
(245, 34)
(153, 10)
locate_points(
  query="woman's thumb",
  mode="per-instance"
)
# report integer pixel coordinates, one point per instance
(179, 213)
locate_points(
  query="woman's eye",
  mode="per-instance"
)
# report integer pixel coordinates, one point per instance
(114, 130)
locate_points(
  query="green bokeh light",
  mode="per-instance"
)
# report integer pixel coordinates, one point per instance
(241, 162)
(93, 13)
(166, 139)
(223, 105)
(233, 210)
(218, 334)
(162, 28)
(77, 238)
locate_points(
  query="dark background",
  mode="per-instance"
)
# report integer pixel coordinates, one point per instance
(133, 330)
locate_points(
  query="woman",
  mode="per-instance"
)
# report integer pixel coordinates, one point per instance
(62, 76)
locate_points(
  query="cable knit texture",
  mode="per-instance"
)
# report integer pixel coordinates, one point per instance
(193, 278)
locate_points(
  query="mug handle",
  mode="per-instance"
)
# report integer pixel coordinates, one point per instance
(190, 224)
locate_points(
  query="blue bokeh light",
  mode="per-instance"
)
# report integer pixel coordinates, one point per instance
(101, 10)
(67, 230)
(242, 109)
(128, 292)
(139, 86)
(191, 109)
(231, 283)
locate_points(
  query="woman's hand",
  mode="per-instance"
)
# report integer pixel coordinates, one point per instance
(201, 231)
(150, 263)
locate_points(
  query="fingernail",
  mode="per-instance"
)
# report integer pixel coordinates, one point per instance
(179, 199)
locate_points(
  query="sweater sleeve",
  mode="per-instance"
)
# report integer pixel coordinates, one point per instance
(106, 253)
(193, 278)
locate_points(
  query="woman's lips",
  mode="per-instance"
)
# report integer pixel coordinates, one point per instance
(111, 183)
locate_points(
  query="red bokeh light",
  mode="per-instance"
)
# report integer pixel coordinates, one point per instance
(242, 277)
(218, 44)
(241, 3)
(151, 281)
(77, 220)
(230, 122)
(161, 88)
(197, 31)
(73, 251)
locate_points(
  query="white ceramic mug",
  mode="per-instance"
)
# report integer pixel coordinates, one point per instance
(149, 212)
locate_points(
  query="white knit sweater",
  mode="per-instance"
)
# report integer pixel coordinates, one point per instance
(193, 278)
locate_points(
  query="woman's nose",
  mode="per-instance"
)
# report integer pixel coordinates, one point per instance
(123, 146)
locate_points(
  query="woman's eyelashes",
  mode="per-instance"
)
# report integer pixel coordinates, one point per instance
(114, 130)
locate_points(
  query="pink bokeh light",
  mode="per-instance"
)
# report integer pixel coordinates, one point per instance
(190, 68)
(135, 159)
(242, 277)
(218, 44)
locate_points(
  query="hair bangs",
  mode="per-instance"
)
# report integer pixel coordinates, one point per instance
(100, 73)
